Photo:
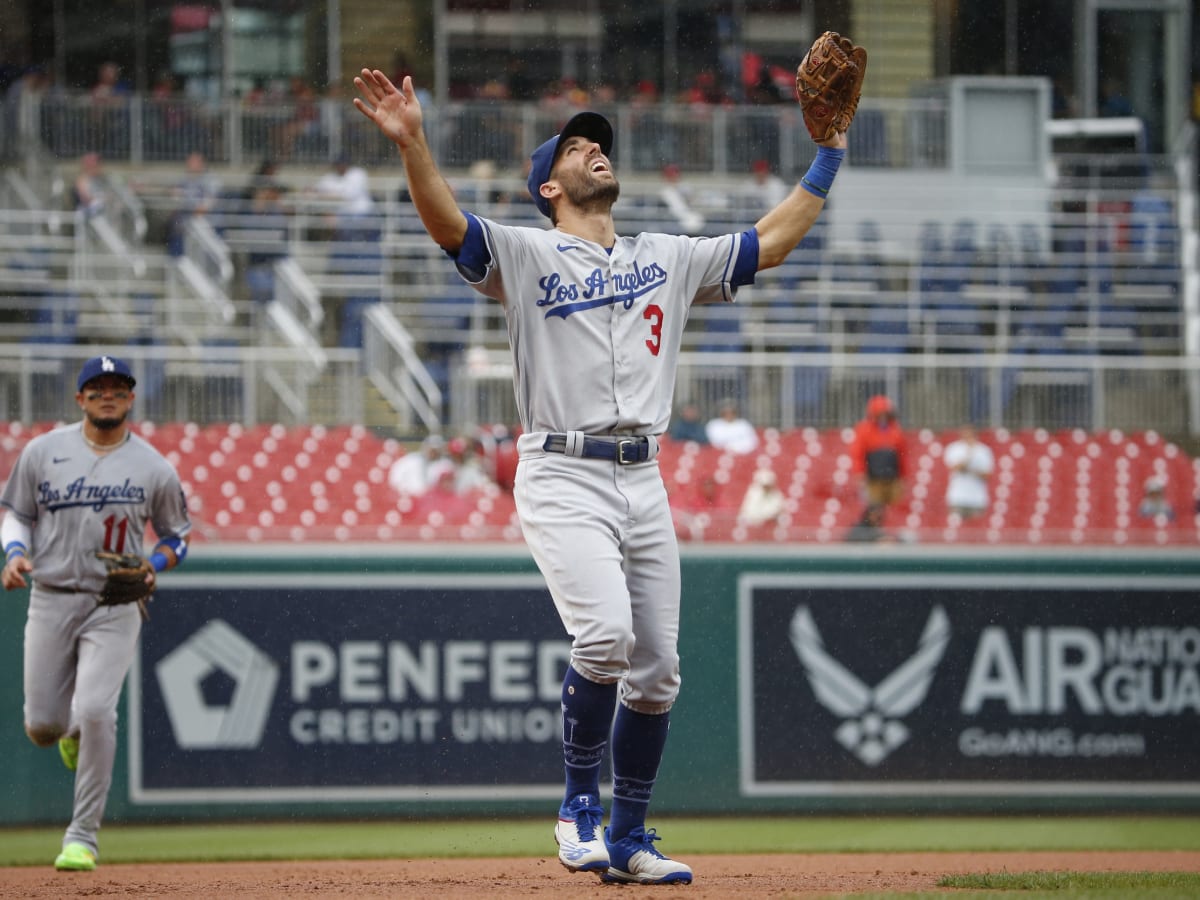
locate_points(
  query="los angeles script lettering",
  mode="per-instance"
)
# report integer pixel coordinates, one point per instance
(555, 290)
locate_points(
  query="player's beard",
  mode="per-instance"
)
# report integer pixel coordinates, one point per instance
(107, 424)
(589, 194)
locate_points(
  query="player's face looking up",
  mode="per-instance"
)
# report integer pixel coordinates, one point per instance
(105, 401)
(586, 176)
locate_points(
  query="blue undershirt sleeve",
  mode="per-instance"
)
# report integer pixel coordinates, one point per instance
(746, 264)
(473, 256)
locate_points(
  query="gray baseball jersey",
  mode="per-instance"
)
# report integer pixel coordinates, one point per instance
(595, 339)
(78, 502)
(595, 335)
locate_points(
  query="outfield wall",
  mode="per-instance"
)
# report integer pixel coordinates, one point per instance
(336, 682)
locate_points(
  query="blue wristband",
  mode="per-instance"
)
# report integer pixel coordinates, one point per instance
(14, 548)
(178, 546)
(819, 177)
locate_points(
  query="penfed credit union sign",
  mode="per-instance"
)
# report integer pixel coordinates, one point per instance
(307, 688)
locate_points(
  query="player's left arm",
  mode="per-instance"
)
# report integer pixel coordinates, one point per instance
(171, 524)
(781, 229)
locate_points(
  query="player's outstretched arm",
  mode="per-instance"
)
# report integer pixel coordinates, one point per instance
(397, 113)
(781, 229)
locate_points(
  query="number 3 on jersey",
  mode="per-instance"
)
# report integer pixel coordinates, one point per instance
(114, 529)
(654, 315)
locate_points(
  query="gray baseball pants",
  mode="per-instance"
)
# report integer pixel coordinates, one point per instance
(77, 655)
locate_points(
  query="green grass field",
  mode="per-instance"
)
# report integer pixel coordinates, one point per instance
(530, 837)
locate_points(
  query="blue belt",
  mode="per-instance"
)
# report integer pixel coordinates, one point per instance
(624, 451)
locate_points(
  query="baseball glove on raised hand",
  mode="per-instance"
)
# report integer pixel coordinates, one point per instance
(829, 84)
(126, 579)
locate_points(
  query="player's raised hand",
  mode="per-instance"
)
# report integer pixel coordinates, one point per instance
(396, 112)
(838, 141)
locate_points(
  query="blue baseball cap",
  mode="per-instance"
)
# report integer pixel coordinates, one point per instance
(590, 125)
(104, 365)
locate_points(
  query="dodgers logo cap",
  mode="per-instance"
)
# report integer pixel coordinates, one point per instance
(104, 365)
(590, 125)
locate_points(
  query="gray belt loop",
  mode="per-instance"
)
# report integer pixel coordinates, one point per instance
(574, 445)
(652, 448)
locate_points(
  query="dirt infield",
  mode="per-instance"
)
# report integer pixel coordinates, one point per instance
(773, 876)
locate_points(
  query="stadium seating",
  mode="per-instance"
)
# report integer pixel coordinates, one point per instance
(1068, 487)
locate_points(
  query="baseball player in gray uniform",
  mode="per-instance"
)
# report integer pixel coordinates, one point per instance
(595, 322)
(75, 491)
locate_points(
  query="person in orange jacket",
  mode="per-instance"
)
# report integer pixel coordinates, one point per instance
(879, 455)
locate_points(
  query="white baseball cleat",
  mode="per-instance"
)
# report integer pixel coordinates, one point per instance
(580, 844)
(635, 861)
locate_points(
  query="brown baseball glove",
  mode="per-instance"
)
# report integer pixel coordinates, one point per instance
(829, 83)
(126, 579)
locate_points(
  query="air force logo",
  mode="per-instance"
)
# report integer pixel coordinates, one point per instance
(871, 726)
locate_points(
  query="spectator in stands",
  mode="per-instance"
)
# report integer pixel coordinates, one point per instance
(676, 197)
(355, 249)
(687, 425)
(19, 98)
(195, 195)
(869, 528)
(495, 133)
(763, 503)
(444, 501)
(498, 447)
(1155, 505)
(305, 123)
(417, 471)
(705, 90)
(169, 125)
(1062, 98)
(108, 87)
(646, 118)
(767, 189)
(516, 79)
(349, 188)
(470, 472)
(730, 431)
(878, 454)
(1113, 101)
(264, 176)
(91, 188)
(697, 505)
(268, 216)
(401, 67)
(765, 90)
(971, 463)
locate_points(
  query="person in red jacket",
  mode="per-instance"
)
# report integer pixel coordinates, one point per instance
(879, 454)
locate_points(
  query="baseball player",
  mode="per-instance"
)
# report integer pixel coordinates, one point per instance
(595, 322)
(76, 491)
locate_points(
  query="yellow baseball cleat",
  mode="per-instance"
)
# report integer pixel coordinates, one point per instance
(68, 749)
(75, 858)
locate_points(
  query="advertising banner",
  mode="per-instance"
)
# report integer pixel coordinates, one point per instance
(968, 685)
(335, 688)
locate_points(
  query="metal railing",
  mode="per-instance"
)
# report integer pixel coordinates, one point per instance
(888, 133)
(271, 382)
(784, 390)
(827, 390)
